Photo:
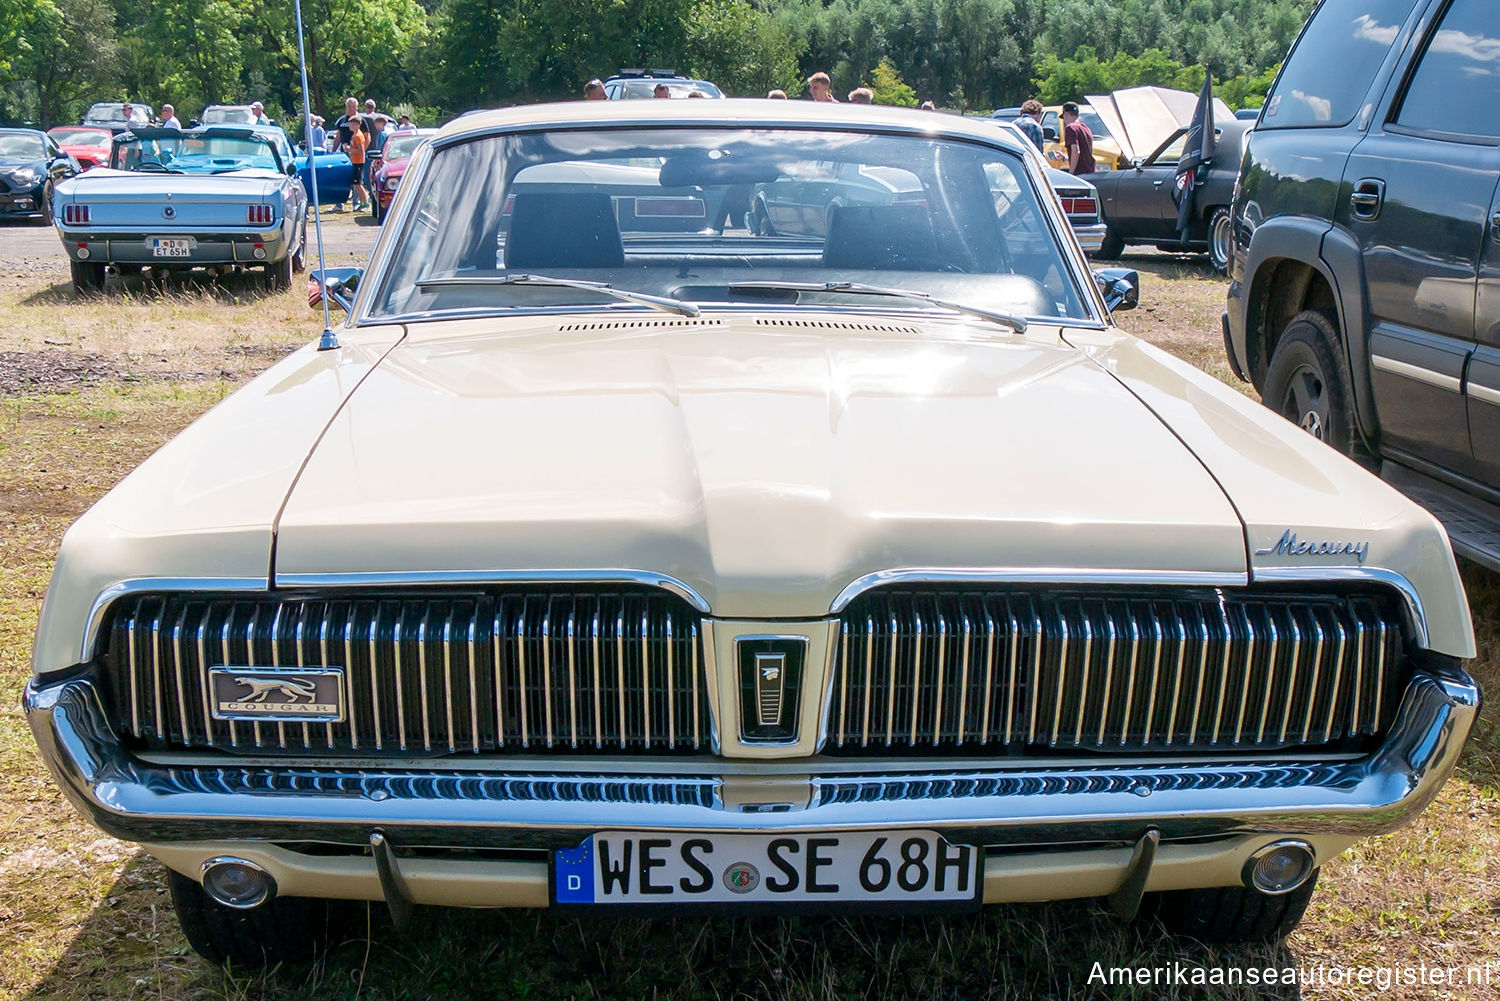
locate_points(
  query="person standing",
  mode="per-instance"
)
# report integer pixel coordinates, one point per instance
(319, 133)
(358, 144)
(820, 88)
(259, 111)
(169, 117)
(776, 95)
(404, 125)
(1030, 124)
(347, 124)
(1078, 141)
(861, 95)
(594, 90)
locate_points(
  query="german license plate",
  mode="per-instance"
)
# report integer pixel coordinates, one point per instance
(894, 868)
(170, 248)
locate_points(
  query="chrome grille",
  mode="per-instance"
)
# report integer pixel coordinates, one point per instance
(602, 672)
(1027, 670)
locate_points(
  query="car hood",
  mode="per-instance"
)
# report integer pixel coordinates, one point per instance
(1142, 118)
(15, 163)
(764, 463)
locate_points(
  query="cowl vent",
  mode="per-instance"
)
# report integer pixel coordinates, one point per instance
(869, 328)
(635, 325)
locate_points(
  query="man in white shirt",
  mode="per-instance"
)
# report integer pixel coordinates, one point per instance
(169, 117)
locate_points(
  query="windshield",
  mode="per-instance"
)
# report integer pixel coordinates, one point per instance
(698, 214)
(218, 116)
(116, 113)
(637, 89)
(21, 147)
(197, 154)
(403, 146)
(81, 137)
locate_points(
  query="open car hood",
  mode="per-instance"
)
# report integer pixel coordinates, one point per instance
(1142, 118)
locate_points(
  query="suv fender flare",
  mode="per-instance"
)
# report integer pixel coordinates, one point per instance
(1330, 253)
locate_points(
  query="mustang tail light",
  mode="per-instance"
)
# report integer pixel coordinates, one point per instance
(258, 214)
(1079, 206)
(76, 215)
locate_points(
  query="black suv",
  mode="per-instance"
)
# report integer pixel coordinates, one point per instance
(1364, 297)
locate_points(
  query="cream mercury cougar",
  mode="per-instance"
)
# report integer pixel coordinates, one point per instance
(615, 566)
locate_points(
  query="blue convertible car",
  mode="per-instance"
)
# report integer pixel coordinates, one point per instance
(218, 196)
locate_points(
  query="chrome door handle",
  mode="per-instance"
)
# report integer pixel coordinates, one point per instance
(1369, 194)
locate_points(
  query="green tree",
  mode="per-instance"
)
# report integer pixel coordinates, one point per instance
(60, 54)
(889, 88)
(741, 49)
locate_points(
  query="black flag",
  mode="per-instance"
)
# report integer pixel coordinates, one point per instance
(1197, 155)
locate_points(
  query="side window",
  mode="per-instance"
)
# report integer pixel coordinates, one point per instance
(1456, 85)
(1333, 64)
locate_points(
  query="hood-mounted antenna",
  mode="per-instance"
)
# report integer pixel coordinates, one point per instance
(328, 341)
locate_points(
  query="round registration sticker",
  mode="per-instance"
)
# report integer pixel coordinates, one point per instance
(742, 877)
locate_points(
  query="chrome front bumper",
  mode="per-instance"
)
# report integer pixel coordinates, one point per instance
(554, 801)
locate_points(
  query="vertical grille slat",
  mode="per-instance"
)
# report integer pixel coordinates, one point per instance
(469, 673)
(1034, 669)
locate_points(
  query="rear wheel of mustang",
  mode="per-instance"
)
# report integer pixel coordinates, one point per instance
(299, 259)
(88, 276)
(1234, 913)
(279, 274)
(283, 930)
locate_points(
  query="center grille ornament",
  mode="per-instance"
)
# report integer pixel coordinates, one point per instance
(770, 674)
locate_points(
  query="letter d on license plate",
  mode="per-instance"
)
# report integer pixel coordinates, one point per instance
(893, 868)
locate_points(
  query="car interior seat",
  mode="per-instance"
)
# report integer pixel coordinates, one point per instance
(881, 238)
(563, 231)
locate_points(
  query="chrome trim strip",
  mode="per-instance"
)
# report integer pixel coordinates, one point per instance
(1032, 575)
(1483, 393)
(1417, 616)
(1416, 373)
(385, 578)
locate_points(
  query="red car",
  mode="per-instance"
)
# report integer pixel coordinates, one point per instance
(86, 144)
(385, 173)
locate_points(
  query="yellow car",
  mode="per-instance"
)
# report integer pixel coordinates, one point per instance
(1107, 152)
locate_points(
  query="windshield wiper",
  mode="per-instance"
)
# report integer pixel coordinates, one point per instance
(1015, 323)
(656, 301)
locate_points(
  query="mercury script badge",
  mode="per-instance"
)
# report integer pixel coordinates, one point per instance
(1290, 545)
(272, 694)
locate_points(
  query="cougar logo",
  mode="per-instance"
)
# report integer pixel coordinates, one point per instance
(291, 689)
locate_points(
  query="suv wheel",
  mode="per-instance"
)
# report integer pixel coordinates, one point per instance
(1234, 913)
(1220, 239)
(1308, 383)
(284, 930)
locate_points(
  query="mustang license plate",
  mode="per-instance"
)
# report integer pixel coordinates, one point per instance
(894, 868)
(170, 248)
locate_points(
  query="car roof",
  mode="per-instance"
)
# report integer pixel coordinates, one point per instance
(731, 112)
(23, 132)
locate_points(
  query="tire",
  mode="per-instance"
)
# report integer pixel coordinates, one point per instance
(285, 930)
(1111, 247)
(760, 220)
(375, 210)
(1220, 239)
(1308, 384)
(88, 277)
(1233, 914)
(46, 212)
(279, 274)
(299, 259)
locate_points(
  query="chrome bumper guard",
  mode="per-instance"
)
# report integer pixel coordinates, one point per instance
(1090, 238)
(553, 802)
(226, 247)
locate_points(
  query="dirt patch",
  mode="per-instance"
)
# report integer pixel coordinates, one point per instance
(28, 372)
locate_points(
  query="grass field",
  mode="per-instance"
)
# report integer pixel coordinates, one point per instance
(88, 390)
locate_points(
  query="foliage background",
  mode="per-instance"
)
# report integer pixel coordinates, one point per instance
(443, 57)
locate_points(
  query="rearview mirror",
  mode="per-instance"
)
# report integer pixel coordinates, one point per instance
(1121, 288)
(339, 284)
